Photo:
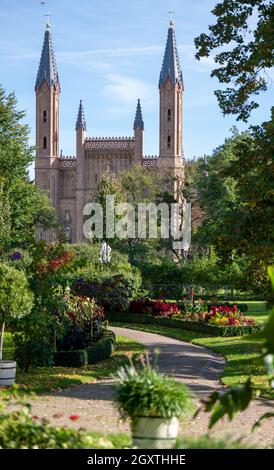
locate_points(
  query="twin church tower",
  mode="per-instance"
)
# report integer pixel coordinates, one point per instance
(71, 182)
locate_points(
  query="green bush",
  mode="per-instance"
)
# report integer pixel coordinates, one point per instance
(16, 299)
(77, 358)
(102, 349)
(142, 391)
(98, 351)
(211, 330)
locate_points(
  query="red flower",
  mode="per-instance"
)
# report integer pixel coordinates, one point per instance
(74, 417)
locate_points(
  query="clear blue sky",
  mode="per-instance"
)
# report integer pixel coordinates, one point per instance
(109, 53)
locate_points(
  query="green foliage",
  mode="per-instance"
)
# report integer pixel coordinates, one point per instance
(109, 185)
(234, 190)
(142, 391)
(238, 398)
(30, 207)
(33, 339)
(174, 280)
(16, 299)
(244, 33)
(74, 358)
(22, 205)
(5, 222)
(230, 403)
(20, 430)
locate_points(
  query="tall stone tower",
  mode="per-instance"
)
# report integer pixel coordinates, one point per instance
(171, 89)
(81, 135)
(138, 128)
(47, 88)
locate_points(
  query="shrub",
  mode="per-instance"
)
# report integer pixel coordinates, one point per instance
(157, 308)
(16, 299)
(98, 351)
(82, 322)
(142, 391)
(112, 293)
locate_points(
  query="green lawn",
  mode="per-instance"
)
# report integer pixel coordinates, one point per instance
(123, 441)
(241, 352)
(44, 379)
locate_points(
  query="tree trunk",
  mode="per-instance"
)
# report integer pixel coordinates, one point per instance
(2, 341)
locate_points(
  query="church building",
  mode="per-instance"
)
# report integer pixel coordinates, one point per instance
(71, 181)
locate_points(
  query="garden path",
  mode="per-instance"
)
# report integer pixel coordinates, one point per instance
(196, 366)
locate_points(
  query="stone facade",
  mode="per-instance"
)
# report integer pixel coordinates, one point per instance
(72, 181)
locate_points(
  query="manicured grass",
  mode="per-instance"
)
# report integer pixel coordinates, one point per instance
(241, 352)
(45, 379)
(122, 441)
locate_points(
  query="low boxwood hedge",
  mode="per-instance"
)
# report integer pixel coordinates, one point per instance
(102, 349)
(211, 330)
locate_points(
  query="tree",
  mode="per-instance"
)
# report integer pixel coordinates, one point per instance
(234, 189)
(22, 205)
(244, 53)
(5, 223)
(16, 299)
(109, 186)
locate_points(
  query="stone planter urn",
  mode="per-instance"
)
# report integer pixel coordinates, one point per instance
(7, 373)
(154, 432)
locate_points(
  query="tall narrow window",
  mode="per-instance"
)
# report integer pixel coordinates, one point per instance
(168, 115)
(96, 177)
(45, 143)
(168, 141)
(45, 116)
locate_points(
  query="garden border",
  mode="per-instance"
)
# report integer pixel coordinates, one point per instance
(212, 330)
(102, 349)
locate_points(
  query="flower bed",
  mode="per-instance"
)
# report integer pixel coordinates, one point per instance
(202, 327)
(199, 311)
(221, 315)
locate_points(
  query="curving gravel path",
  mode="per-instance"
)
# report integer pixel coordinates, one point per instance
(196, 366)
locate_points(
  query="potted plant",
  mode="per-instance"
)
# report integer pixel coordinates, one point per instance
(153, 402)
(16, 300)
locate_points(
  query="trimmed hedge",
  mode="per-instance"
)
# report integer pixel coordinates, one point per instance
(211, 330)
(102, 349)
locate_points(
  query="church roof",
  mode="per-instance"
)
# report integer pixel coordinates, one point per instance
(171, 64)
(109, 143)
(81, 121)
(47, 67)
(138, 121)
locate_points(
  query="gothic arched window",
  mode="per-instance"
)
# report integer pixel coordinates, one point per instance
(168, 141)
(168, 115)
(45, 143)
(45, 116)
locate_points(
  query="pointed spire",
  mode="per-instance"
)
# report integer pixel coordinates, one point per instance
(171, 64)
(81, 122)
(47, 67)
(138, 121)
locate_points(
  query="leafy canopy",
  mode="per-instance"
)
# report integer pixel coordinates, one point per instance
(243, 52)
